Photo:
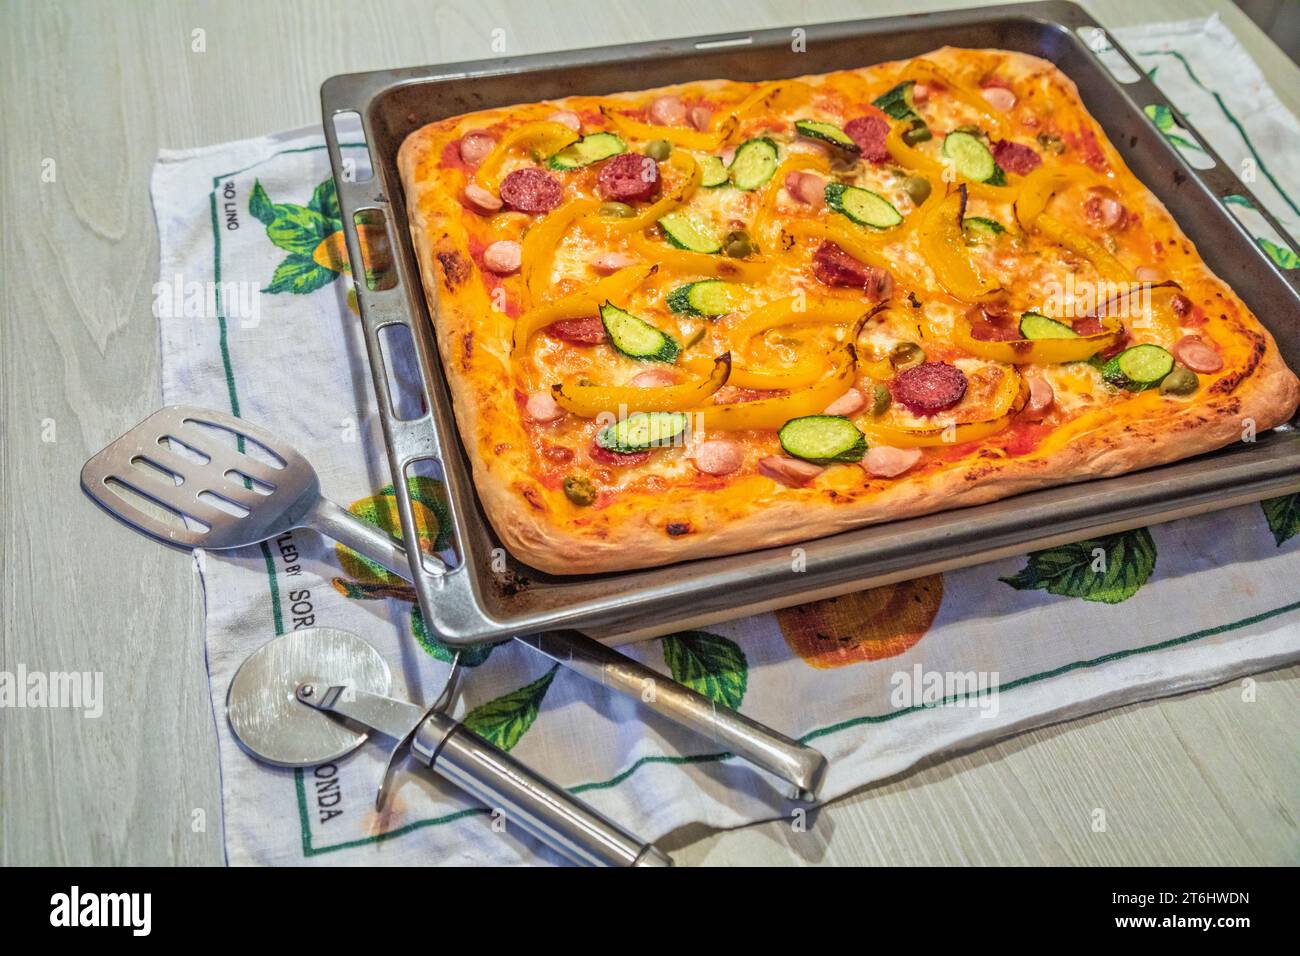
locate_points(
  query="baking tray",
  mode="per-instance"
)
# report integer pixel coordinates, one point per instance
(486, 595)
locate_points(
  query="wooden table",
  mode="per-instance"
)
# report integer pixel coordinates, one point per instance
(97, 87)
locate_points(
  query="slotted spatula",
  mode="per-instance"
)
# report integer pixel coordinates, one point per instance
(231, 499)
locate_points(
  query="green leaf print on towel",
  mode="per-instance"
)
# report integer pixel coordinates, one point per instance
(708, 664)
(506, 719)
(469, 656)
(1283, 517)
(311, 234)
(1110, 569)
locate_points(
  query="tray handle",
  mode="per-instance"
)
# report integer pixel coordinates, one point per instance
(1219, 178)
(410, 441)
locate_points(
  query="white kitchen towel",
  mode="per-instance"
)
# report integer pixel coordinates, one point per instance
(255, 318)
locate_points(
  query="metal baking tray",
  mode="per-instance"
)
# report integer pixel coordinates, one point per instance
(487, 595)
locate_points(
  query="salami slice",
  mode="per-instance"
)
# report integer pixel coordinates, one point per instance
(991, 326)
(869, 133)
(834, 267)
(1088, 325)
(628, 177)
(604, 456)
(1016, 158)
(531, 190)
(588, 331)
(929, 387)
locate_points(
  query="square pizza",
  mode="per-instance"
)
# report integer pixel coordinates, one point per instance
(723, 316)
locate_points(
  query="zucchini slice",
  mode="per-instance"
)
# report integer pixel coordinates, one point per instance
(897, 103)
(980, 229)
(708, 297)
(827, 133)
(712, 172)
(588, 150)
(862, 206)
(686, 232)
(637, 338)
(823, 439)
(641, 431)
(754, 163)
(972, 158)
(1138, 368)
(1035, 325)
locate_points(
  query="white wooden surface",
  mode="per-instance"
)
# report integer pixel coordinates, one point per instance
(97, 87)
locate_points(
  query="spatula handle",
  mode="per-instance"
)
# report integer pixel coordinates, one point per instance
(366, 539)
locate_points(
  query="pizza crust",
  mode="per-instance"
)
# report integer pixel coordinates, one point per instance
(686, 521)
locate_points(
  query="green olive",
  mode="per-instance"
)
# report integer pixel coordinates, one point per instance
(617, 210)
(738, 245)
(970, 129)
(918, 132)
(1051, 142)
(906, 354)
(880, 399)
(658, 149)
(917, 189)
(579, 490)
(1181, 381)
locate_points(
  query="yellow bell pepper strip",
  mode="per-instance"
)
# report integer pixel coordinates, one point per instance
(1104, 262)
(580, 304)
(933, 170)
(543, 238)
(766, 213)
(1033, 351)
(1038, 188)
(925, 71)
(692, 174)
(591, 401)
(945, 251)
(854, 240)
(878, 370)
(772, 413)
(917, 215)
(1011, 397)
(544, 136)
(815, 311)
(685, 262)
(787, 93)
(805, 371)
(1037, 191)
(707, 140)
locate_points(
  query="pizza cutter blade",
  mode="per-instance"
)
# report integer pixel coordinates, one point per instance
(262, 705)
(312, 696)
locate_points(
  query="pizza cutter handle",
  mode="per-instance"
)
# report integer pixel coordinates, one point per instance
(525, 800)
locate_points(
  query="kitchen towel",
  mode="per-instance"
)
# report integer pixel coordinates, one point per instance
(256, 317)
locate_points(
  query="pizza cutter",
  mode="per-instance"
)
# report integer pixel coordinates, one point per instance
(232, 499)
(315, 695)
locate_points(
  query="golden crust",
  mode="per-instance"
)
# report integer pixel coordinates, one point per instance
(673, 518)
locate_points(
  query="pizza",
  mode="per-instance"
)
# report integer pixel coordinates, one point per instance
(723, 316)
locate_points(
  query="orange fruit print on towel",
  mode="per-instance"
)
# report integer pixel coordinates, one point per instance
(868, 625)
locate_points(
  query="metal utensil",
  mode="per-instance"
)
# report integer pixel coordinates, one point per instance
(288, 703)
(241, 500)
